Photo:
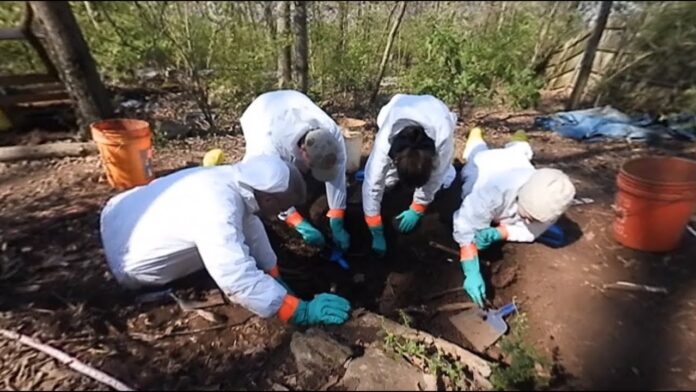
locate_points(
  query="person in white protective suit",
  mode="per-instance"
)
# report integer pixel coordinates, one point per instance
(502, 187)
(288, 124)
(205, 218)
(414, 146)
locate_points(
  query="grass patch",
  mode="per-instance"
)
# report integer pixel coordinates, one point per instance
(527, 370)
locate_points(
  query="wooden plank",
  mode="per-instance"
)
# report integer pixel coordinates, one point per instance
(9, 100)
(12, 34)
(28, 79)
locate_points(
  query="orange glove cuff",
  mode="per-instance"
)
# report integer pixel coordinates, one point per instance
(374, 220)
(294, 219)
(336, 213)
(287, 309)
(274, 272)
(503, 231)
(420, 208)
(468, 252)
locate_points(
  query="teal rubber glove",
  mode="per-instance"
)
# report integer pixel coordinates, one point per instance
(340, 235)
(379, 244)
(309, 234)
(409, 220)
(473, 281)
(486, 237)
(323, 309)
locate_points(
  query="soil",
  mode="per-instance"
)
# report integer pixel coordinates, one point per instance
(55, 285)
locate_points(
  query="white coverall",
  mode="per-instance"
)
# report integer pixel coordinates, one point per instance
(198, 218)
(492, 180)
(274, 123)
(401, 111)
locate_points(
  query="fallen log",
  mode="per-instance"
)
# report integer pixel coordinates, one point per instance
(480, 368)
(44, 151)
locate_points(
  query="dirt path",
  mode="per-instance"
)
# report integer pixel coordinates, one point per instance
(55, 286)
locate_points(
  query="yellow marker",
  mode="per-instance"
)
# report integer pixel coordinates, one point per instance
(213, 157)
(520, 136)
(474, 138)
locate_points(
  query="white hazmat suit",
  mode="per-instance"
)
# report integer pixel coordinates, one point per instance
(199, 218)
(492, 180)
(401, 111)
(275, 122)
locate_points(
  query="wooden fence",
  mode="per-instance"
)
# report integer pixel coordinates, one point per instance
(562, 70)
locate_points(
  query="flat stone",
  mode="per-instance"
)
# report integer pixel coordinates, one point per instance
(315, 351)
(378, 371)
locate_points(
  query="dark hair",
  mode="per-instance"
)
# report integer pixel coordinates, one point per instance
(413, 153)
(414, 166)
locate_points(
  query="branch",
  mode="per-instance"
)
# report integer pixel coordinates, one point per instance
(73, 363)
(387, 51)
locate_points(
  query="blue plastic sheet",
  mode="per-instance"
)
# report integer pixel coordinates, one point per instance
(609, 123)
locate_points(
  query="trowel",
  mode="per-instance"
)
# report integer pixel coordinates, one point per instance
(481, 327)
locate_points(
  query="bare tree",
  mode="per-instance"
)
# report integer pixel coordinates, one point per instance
(387, 51)
(589, 55)
(342, 13)
(301, 60)
(543, 33)
(268, 19)
(283, 34)
(73, 61)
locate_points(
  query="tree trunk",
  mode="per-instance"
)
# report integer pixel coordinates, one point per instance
(74, 61)
(342, 12)
(268, 17)
(543, 32)
(301, 61)
(589, 56)
(501, 14)
(284, 56)
(387, 50)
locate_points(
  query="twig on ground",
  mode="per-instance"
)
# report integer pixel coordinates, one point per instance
(152, 337)
(73, 363)
(628, 286)
(444, 248)
(691, 230)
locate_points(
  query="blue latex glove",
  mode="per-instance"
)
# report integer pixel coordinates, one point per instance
(486, 237)
(310, 234)
(323, 309)
(340, 235)
(379, 244)
(409, 220)
(473, 281)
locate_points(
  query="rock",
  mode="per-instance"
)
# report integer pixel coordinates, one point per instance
(429, 383)
(278, 387)
(376, 371)
(317, 354)
(171, 129)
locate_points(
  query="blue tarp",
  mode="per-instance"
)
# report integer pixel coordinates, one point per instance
(607, 122)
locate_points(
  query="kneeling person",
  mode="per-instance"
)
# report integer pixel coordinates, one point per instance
(205, 218)
(501, 186)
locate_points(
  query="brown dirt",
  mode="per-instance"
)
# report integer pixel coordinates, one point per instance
(55, 285)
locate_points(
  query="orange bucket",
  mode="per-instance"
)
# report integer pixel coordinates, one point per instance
(125, 147)
(656, 198)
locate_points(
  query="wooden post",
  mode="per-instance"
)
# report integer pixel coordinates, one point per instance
(284, 55)
(73, 61)
(387, 50)
(589, 56)
(301, 63)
